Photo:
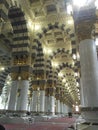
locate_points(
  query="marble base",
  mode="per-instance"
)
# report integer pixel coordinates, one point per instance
(13, 120)
(86, 127)
(92, 128)
(90, 116)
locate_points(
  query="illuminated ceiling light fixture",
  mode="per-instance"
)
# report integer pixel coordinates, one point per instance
(66, 85)
(76, 74)
(2, 68)
(69, 9)
(64, 80)
(74, 56)
(77, 84)
(8, 82)
(30, 25)
(47, 50)
(54, 64)
(96, 41)
(60, 74)
(37, 27)
(78, 56)
(70, 22)
(33, 26)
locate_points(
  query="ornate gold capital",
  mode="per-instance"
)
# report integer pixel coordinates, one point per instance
(47, 92)
(57, 96)
(84, 30)
(51, 91)
(42, 87)
(14, 76)
(34, 87)
(24, 75)
(21, 60)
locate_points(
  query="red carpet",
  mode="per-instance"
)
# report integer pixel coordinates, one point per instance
(51, 124)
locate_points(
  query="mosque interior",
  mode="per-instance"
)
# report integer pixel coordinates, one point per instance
(49, 59)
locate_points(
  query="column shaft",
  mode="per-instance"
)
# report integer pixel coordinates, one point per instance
(58, 106)
(89, 73)
(34, 101)
(52, 104)
(13, 93)
(47, 102)
(24, 94)
(42, 101)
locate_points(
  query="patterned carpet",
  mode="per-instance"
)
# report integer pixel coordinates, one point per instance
(51, 124)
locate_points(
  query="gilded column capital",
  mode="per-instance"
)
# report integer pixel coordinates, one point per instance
(84, 30)
(34, 87)
(14, 76)
(24, 75)
(42, 87)
(51, 91)
(84, 19)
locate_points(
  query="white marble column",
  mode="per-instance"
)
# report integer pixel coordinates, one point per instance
(18, 96)
(52, 104)
(58, 106)
(61, 109)
(24, 94)
(69, 109)
(47, 102)
(18, 103)
(89, 73)
(81, 94)
(42, 101)
(89, 79)
(13, 93)
(34, 101)
(64, 109)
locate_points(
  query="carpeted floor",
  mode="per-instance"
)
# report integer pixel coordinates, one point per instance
(51, 124)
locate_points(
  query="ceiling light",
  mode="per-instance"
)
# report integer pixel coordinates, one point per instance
(2, 68)
(96, 41)
(67, 85)
(30, 25)
(76, 74)
(47, 50)
(33, 26)
(37, 27)
(70, 22)
(69, 8)
(64, 80)
(54, 64)
(60, 74)
(8, 82)
(74, 56)
(78, 56)
(77, 84)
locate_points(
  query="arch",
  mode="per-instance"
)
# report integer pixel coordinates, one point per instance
(21, 39)
(60, 50)
(63, 27)
(3, 76)
(50, 27)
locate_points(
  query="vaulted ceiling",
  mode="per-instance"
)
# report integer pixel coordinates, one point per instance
(49, 23)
